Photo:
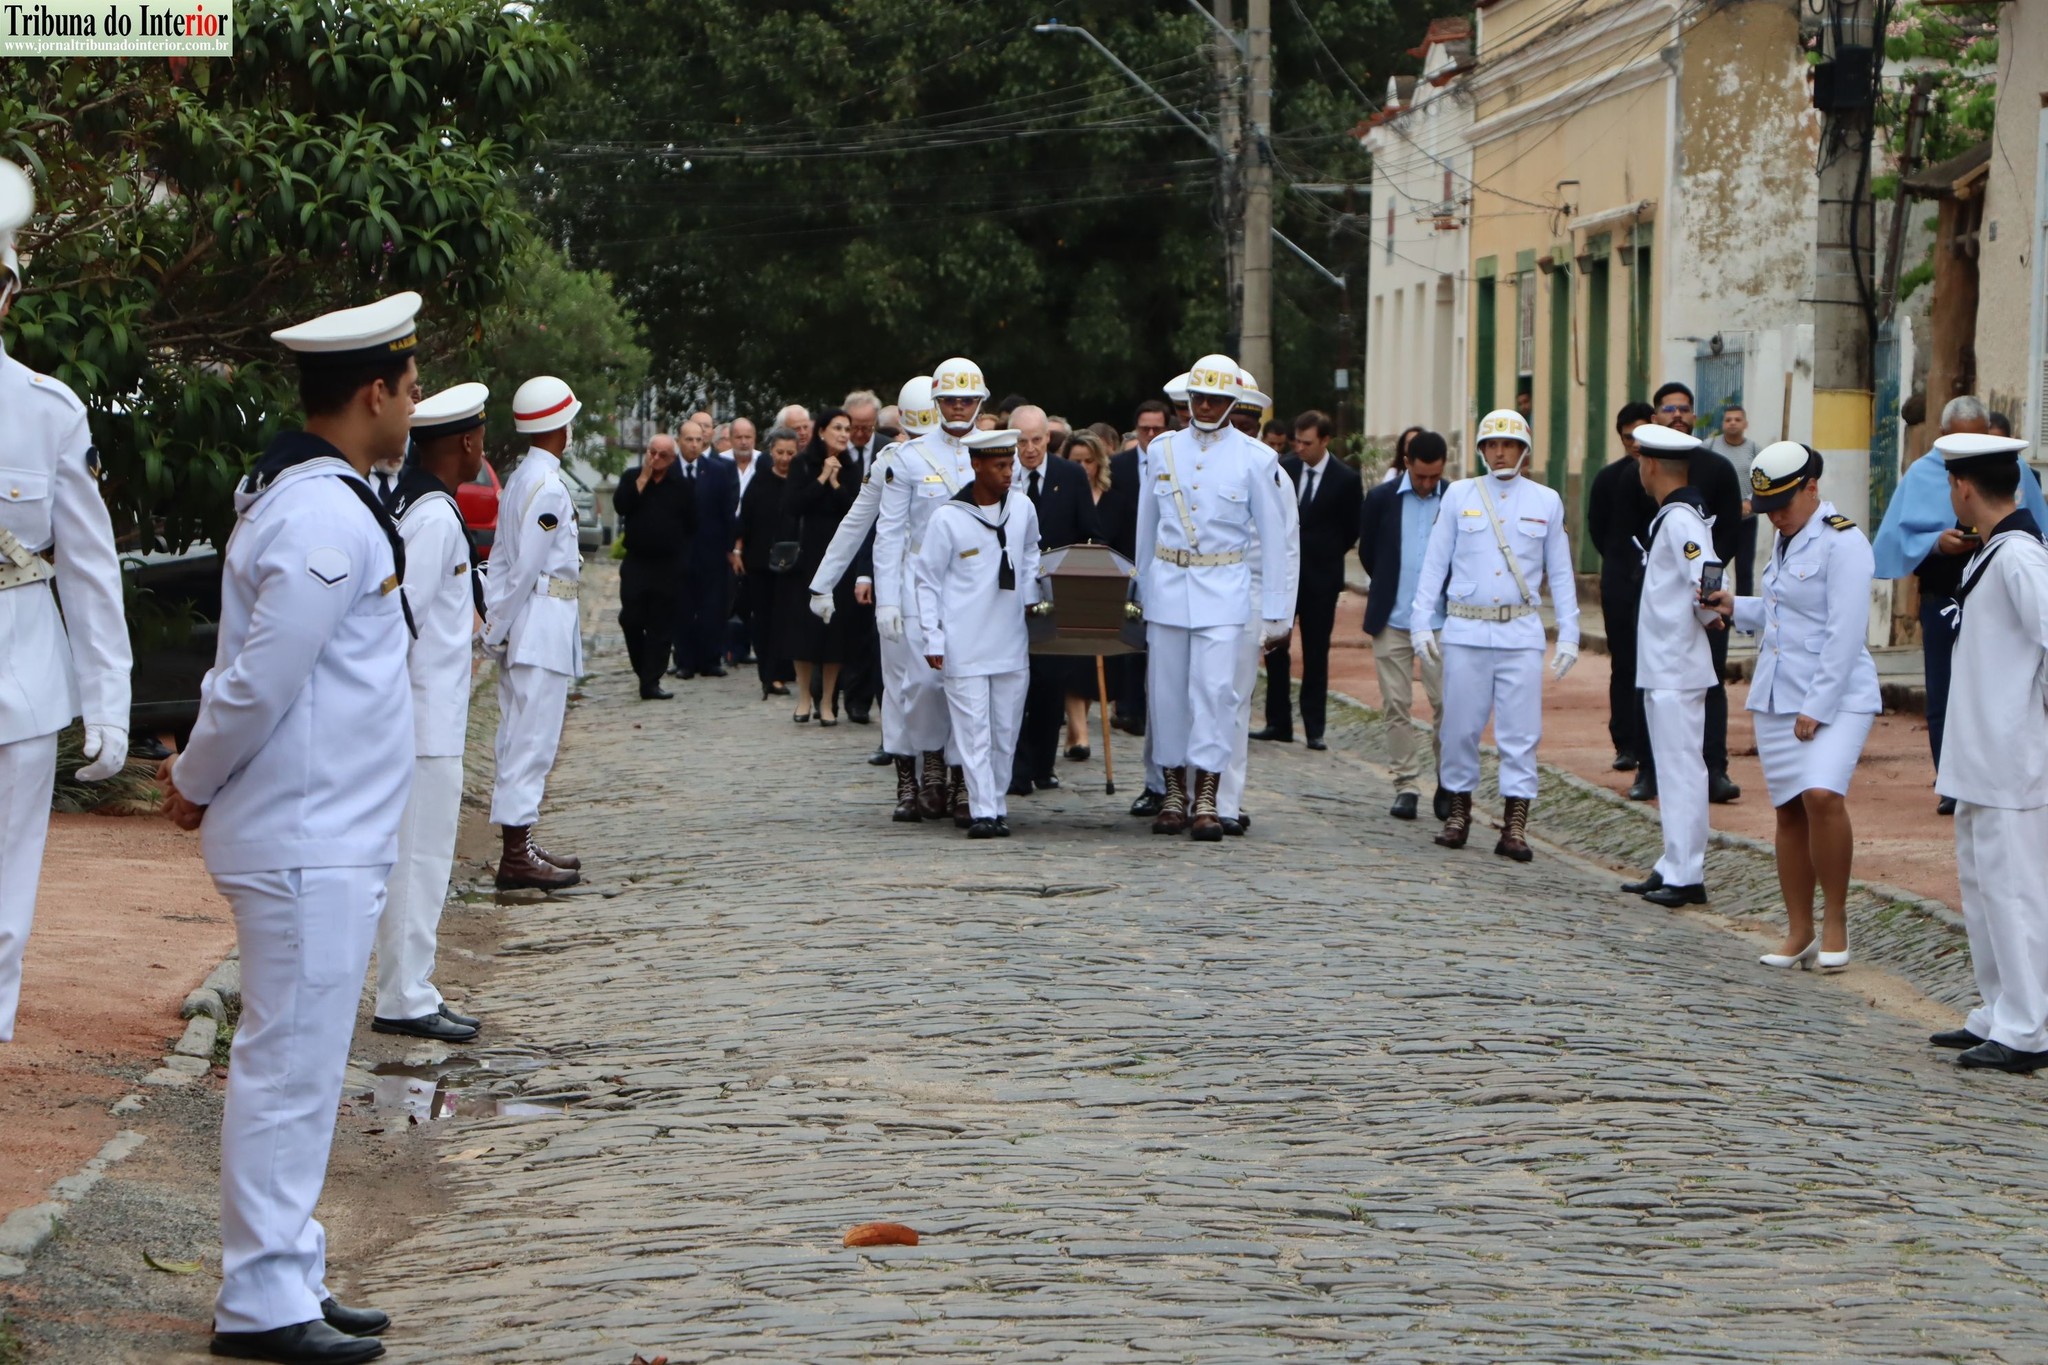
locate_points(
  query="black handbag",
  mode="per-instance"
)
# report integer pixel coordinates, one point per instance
(782, 556)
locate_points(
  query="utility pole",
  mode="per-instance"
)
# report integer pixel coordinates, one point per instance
(1230, 132)
(1845, 91)
(1255, 346)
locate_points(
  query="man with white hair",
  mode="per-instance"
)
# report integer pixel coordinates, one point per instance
(797, 418)
(860, 681)
(1059, 494)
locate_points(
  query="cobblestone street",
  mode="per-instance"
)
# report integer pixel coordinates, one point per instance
(1322, 1093)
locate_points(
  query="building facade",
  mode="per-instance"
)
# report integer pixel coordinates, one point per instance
(2012, 312)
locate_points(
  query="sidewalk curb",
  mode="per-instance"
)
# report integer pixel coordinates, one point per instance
(26, 1230)
(205, 1013)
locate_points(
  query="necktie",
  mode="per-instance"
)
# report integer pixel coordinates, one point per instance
(383, 487)
(690, 470)
(1034, 485)
(1308, 489)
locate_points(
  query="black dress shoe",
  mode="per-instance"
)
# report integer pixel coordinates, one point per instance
(1646, 885)
(1019, 786)
(656, 694)
(1440, 804)
(1316, 742)
(1148, 803)
(1076, 753)
(880, 758)
(775, 690)
(1671, 897)
(463, 1019)
(1244, 822)
(1233, 825)
(434, 1026)
(1645, 788)
(859, 717)
(1996, 1056)
(1002, 827)
(1945, 806)
(1277, 736)
(715, 671)
(1404, 806)
(1721, 790)
(1624, 761)
(684, 673)
(1050, 782)
(1956, 1038)
(302, 1343)
(984, 828)
(355, 1322)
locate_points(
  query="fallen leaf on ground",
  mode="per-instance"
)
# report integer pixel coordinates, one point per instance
(470, 1154)
(643, 1360)
(881, 1235)
(170, 1267)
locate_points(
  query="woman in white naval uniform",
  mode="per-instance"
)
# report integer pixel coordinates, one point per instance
(976, 575)
(533, 627)
(1815, 693)
(298, 770)
(1498, 542)
(52, 667)
(448, 450)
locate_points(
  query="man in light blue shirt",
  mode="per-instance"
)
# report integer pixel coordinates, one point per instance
(1393, 534)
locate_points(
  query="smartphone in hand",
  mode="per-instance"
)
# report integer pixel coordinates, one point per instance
(1711, 578)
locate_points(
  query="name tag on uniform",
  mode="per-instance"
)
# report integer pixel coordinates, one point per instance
(933, 478)
(1471, 512)
(1535, 521)
(969, 554)
(388, 586)
(460, 569)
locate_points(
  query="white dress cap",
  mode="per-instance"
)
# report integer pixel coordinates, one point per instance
(1963, 449)
(1002, 441)
(450, 412)
(1665, 443)
(351, 336)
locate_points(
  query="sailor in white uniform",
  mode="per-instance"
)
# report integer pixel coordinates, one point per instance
(1205, 497)
(976, 573)
(1675, 667)
(297, 773)
(54, 667)
(1153, 797)
(448, 450)
(1251, 406)
(533, 628)
(1994, 758)
(1498, 541)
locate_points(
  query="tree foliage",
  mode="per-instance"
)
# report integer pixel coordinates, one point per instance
(798, 196)
(189, 208)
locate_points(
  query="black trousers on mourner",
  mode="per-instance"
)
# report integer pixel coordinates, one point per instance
(1317, 613)
(650, 609)
(1625, 718)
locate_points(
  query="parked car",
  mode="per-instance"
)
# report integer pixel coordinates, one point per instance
(589, 530)
(175, 611)
(478, 500)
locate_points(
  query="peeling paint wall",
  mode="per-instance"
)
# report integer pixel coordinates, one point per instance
(2009, 275)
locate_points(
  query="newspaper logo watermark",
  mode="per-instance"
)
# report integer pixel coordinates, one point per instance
(116, 28)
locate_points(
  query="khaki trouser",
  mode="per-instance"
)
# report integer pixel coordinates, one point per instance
(1393, 653)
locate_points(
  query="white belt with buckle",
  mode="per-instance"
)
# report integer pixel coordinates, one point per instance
(20, 566)
(564, 588)
(1188, 559)
(1508, 612)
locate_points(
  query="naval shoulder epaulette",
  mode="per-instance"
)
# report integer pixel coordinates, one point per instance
(1841, 523)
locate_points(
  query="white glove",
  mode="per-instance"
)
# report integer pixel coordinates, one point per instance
(107, 746)
(1424, 642)
(889, 622)
(1561, 662)
(822, 606)
(1272, 632)
(496, 653)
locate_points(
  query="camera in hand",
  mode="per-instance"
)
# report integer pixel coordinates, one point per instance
(1710, 581)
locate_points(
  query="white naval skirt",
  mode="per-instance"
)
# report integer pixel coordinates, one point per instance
(1826, 761)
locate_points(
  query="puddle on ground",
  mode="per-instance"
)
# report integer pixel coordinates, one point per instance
(472, 1085)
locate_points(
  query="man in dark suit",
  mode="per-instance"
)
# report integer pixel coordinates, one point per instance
(1118, 512)
(1618, 516)
(707, 573)
(860, 681)
(1058, 489)
(658, 517)
(1329, 493)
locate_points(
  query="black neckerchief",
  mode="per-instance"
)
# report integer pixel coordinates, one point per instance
(2020, 520)
(1006, 577)
(293, 448)
(1688, 495)
(416, 483)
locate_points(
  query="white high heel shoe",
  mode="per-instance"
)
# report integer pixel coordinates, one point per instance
(1834, 962)
(1803, 959)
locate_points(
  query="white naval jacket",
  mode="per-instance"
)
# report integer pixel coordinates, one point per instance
(50, 495)
(303, 751)
(1233, 492)
(1464, 566)
(1671, 633)
(915, 482)
(437, 587)
(1994, 751)
(536, 547)
(1812, 616)
(977, 626)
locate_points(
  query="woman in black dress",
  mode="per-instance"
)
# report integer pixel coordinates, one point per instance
(760, 526)
(816, 498)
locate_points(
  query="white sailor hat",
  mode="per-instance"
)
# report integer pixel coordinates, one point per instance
(1176, 389)
(1665, 443)
(450, 412)
(1001, 441)
(543, 403)
(17, 206)
(1249, 394)
(353, 336)
(1779, 470)
(1970, 450)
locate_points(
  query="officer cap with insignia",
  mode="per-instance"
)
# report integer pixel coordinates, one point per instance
(1664, 443)
(1778, 472)
(349, 337)
(1002, 441)
(17, 206)
(1965, 450)
(450, 412)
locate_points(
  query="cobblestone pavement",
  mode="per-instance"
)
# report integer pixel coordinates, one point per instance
(1322, 1093)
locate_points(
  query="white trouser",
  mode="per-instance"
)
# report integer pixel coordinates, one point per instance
(531, 703)
(418, 889)
(28, 770)
(913, 697)
(1155, 777)
(305, 938)
(1506, 685)
(1191, 692)
(987, 710)
(2002, 863)
(1678, 726)
(1230, 790)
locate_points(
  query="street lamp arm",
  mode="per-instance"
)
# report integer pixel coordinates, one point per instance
(1055, 26)
(1311, 261)
(1235, 41)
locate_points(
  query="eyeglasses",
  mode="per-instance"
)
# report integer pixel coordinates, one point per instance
(1676, 407)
